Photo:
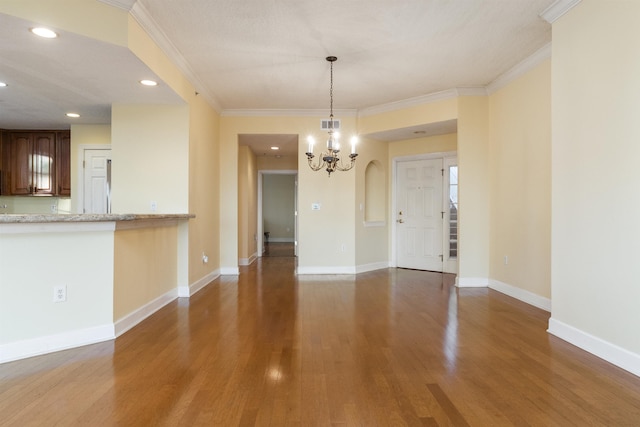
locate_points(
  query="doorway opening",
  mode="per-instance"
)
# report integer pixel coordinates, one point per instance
(278, 212)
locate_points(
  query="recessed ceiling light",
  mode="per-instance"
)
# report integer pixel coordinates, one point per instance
(149, 82)
(73, 115)
(3, 84)
(275, 148)
(44, 32)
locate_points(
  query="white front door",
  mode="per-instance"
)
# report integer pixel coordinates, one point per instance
(419, 216)
(96, 181)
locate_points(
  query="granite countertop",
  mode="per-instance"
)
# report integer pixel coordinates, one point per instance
(42, 218)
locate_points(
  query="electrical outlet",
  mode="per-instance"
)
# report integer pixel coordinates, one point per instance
(154, 206)
(506, 260)
(59, 293)
(205, 258)
(54, 208)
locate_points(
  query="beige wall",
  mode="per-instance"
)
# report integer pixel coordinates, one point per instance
(372, 237)
(204, 196)
(473, 193)
(247, 204)
(277, 163)
(595, 197)
(433, 144)
(318, 250)
(145, 267)
(520, 182)
(432, 112)
(150, 152)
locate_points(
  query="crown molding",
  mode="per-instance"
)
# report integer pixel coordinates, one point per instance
(520, 69)
(557, 9)
(143, 17)
(120, 4)
(471, 91)
(291, 113)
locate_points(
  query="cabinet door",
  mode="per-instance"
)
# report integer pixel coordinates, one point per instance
(63, 164)
(44, 168)
(20, 178)
(5, 164)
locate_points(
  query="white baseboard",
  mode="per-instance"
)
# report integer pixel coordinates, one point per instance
(127, 322)
(472, 282)
(521, 294)
(52, 343)
(229, 271)
(603, 349)
(371, 267)
(248, 261)
(187, 291)
(326, 270)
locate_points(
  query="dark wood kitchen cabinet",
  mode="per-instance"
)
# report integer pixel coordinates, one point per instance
(35, 163)
(63, 164)
(32, 163)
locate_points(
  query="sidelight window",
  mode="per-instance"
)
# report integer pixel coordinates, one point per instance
(453, 211)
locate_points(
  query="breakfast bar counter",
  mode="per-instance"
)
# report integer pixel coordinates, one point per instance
(50, 218)
(77, 279)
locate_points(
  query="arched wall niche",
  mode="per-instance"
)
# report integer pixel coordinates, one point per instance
(374, 196)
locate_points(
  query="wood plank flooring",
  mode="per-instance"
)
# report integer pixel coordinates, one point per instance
(278, 249)
(387, 348)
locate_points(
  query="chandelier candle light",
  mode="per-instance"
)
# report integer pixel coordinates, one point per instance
(329, 160)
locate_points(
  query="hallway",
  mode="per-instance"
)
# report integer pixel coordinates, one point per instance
(267, 347)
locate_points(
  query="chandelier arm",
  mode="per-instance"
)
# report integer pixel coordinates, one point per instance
(319, 165)
(340, 166)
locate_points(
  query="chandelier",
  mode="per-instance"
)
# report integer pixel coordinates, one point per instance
(329, 159)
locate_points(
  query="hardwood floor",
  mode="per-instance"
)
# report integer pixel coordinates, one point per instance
(390, 347)
(278, 249)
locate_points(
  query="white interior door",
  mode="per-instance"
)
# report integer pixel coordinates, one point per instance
(96, 191)
(419, 216)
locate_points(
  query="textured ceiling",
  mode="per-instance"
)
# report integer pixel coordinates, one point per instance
(258, 54)
(270, 54)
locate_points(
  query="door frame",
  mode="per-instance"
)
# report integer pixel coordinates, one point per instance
(446, 156)
(80, 174)
(259, 228)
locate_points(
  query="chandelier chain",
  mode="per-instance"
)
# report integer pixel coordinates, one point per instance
(331, 97)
